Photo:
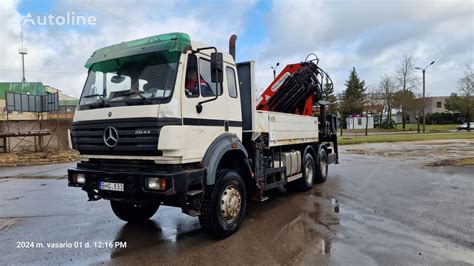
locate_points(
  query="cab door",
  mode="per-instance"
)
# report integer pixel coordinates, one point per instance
(231, 93)
(213, 120)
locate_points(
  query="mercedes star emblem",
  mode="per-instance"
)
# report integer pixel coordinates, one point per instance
(111, 137)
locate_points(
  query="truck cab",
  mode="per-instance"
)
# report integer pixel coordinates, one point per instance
(165, 120)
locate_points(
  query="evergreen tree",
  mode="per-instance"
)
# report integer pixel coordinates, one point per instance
(352, 101)
(354, 93)
(328, 95)
(328, 91)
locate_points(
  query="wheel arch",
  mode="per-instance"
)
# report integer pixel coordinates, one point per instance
(320, 146)
(310, 149)
(225, 147)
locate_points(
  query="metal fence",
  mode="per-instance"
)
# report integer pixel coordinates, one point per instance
(22, 102)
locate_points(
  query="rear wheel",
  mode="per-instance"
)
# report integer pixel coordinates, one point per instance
(305, 183)
(224, 205)
(132, 212)
(321, 166)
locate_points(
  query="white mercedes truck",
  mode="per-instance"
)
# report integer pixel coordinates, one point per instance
(166, 120)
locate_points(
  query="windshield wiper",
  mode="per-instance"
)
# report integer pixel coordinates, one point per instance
(142, 98)
(94, 95)
(102, 102)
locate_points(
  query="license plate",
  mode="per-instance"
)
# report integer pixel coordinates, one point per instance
(110, 186)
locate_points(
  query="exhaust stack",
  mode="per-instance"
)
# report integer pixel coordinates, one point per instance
(232, 41)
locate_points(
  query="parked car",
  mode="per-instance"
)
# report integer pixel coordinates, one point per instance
(464, 126)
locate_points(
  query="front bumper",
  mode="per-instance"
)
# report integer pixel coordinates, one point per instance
(177, 183)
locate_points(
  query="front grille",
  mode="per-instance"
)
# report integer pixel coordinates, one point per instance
(136, 136)
(141, 166)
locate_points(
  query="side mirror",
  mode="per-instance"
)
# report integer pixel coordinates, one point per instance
(117, 79)
(217, 67)
(217, 75)
(199, 108)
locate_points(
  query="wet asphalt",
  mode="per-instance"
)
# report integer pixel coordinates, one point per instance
(383, 205)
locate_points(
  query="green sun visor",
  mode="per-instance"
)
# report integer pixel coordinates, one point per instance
(174, 43)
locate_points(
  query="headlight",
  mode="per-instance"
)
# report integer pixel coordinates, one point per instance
(80, 178)
(155, 183)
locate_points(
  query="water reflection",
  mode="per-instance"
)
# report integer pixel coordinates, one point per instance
(326, 246)
(138, 236)
(161, 231)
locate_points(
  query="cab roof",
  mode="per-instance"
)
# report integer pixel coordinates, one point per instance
(176, 42)
(171, 42)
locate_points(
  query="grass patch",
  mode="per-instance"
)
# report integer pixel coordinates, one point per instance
(409, 127)
(433, 128)
(37, 158)
(465, 161)
(344, 140)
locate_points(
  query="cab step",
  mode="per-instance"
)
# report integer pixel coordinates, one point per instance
(194, 192)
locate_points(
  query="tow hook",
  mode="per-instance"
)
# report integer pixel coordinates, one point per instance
(92, 194)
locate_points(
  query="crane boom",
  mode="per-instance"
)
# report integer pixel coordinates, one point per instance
(295, 90)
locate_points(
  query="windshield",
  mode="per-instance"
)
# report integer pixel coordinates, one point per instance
(139, 79)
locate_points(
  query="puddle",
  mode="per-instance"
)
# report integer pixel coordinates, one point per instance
(361, 152)
(458, 153)
(334, 202)
(15, 198)
(468, 161)
(8, 222)
(332, 199)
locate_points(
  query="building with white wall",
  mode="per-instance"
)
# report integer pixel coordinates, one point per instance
(359, 122)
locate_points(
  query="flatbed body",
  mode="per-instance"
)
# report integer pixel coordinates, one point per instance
(286, 129)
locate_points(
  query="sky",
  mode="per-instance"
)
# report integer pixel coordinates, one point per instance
(370, 35)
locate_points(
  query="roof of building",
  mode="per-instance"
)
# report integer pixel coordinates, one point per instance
(33, 88)
(63, 98)
(69, 102)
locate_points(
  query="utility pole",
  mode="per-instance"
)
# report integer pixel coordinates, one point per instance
(23, 51)
(424, 101)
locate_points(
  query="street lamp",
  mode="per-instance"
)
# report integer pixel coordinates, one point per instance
(423, 110)
(274, 70)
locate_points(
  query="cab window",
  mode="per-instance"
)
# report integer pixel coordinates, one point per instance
(208, 88)
(231, 82)
(191, 85)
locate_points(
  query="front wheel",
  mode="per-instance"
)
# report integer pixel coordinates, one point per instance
(224, 205)
(134, 213)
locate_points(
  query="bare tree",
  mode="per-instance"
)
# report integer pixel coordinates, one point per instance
(387, 89)
(464, 102)
(407, 82)
(417, 106)
(370, 105)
